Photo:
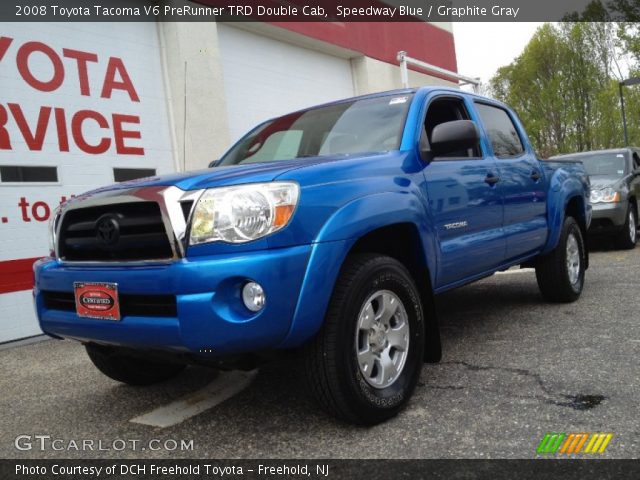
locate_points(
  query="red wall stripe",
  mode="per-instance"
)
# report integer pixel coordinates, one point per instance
(16, 275)
(383, 41)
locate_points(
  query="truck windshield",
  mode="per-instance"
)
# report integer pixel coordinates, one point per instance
(609, 164)
(352, 127)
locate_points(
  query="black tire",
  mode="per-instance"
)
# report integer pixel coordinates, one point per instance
(118, 365)
(332, 370)
(627, 237)
(552, 271)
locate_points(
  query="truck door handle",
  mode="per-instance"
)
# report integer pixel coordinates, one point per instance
(535, 175)
(491, 179)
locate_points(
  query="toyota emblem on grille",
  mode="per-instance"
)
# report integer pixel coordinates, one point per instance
(108, 230)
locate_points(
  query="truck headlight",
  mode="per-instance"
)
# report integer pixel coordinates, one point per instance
(606, 195)
(53, 226)
(243, 213)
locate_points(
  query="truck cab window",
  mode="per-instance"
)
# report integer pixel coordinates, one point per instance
(446, 110)
(501, 130)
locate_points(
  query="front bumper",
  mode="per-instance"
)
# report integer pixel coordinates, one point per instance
(608, 217)
(211, 318)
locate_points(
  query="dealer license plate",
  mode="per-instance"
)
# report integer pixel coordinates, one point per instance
(97, 300)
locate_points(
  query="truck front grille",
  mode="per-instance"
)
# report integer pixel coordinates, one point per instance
(130, 305)
(114, 232)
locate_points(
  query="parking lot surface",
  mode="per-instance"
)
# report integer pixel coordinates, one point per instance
(513, 369)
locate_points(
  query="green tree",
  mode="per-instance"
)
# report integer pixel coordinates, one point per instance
(535, 86)
(565, 85)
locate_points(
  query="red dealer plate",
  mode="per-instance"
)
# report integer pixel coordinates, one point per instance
(97, 300)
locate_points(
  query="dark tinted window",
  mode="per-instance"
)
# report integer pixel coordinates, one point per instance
(125, 174)
(501, 130)
(11, 173)
(443, 110)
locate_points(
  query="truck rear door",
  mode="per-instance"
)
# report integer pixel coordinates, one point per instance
(522, 181)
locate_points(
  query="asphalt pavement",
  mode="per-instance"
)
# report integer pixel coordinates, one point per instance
(514, 368)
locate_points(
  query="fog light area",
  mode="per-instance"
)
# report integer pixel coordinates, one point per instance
(253, 296)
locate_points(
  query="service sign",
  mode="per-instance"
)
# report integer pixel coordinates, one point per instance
(78, 104)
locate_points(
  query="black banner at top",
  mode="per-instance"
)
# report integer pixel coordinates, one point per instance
(318, 10)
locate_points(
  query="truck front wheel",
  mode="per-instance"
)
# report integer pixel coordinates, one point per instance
(118, 365)
(560, 273)
(365, 362)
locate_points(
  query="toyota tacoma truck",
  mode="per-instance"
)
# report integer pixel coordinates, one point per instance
(325, 233)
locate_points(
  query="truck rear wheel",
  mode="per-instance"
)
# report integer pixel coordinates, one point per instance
(560, 273)
(365, 362)
(627, 237)
(118, 365)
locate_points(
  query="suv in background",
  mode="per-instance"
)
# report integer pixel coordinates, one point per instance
(615, 190)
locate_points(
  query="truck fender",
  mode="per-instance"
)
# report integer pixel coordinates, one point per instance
(563, 188)
(332, 245)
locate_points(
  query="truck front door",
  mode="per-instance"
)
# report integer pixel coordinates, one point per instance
(465, 200)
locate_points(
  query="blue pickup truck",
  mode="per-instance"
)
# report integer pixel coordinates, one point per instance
(326, 233)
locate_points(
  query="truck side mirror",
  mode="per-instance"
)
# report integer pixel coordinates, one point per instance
(454, 136)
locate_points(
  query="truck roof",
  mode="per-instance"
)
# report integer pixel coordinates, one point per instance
(401, 91)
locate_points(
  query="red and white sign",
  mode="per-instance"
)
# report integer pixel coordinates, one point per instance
(83, 98)
(97, 300)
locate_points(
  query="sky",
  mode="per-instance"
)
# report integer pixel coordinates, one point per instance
(482, 48)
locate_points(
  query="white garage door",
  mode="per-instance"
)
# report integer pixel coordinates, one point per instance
(264, 78)
(81, 105)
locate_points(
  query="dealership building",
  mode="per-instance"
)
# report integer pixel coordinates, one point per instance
(83, 105)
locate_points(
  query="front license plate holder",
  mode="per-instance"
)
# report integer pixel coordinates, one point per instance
(98, 300)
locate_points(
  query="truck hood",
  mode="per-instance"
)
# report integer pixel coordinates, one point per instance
(599, 182)
(222, 176)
